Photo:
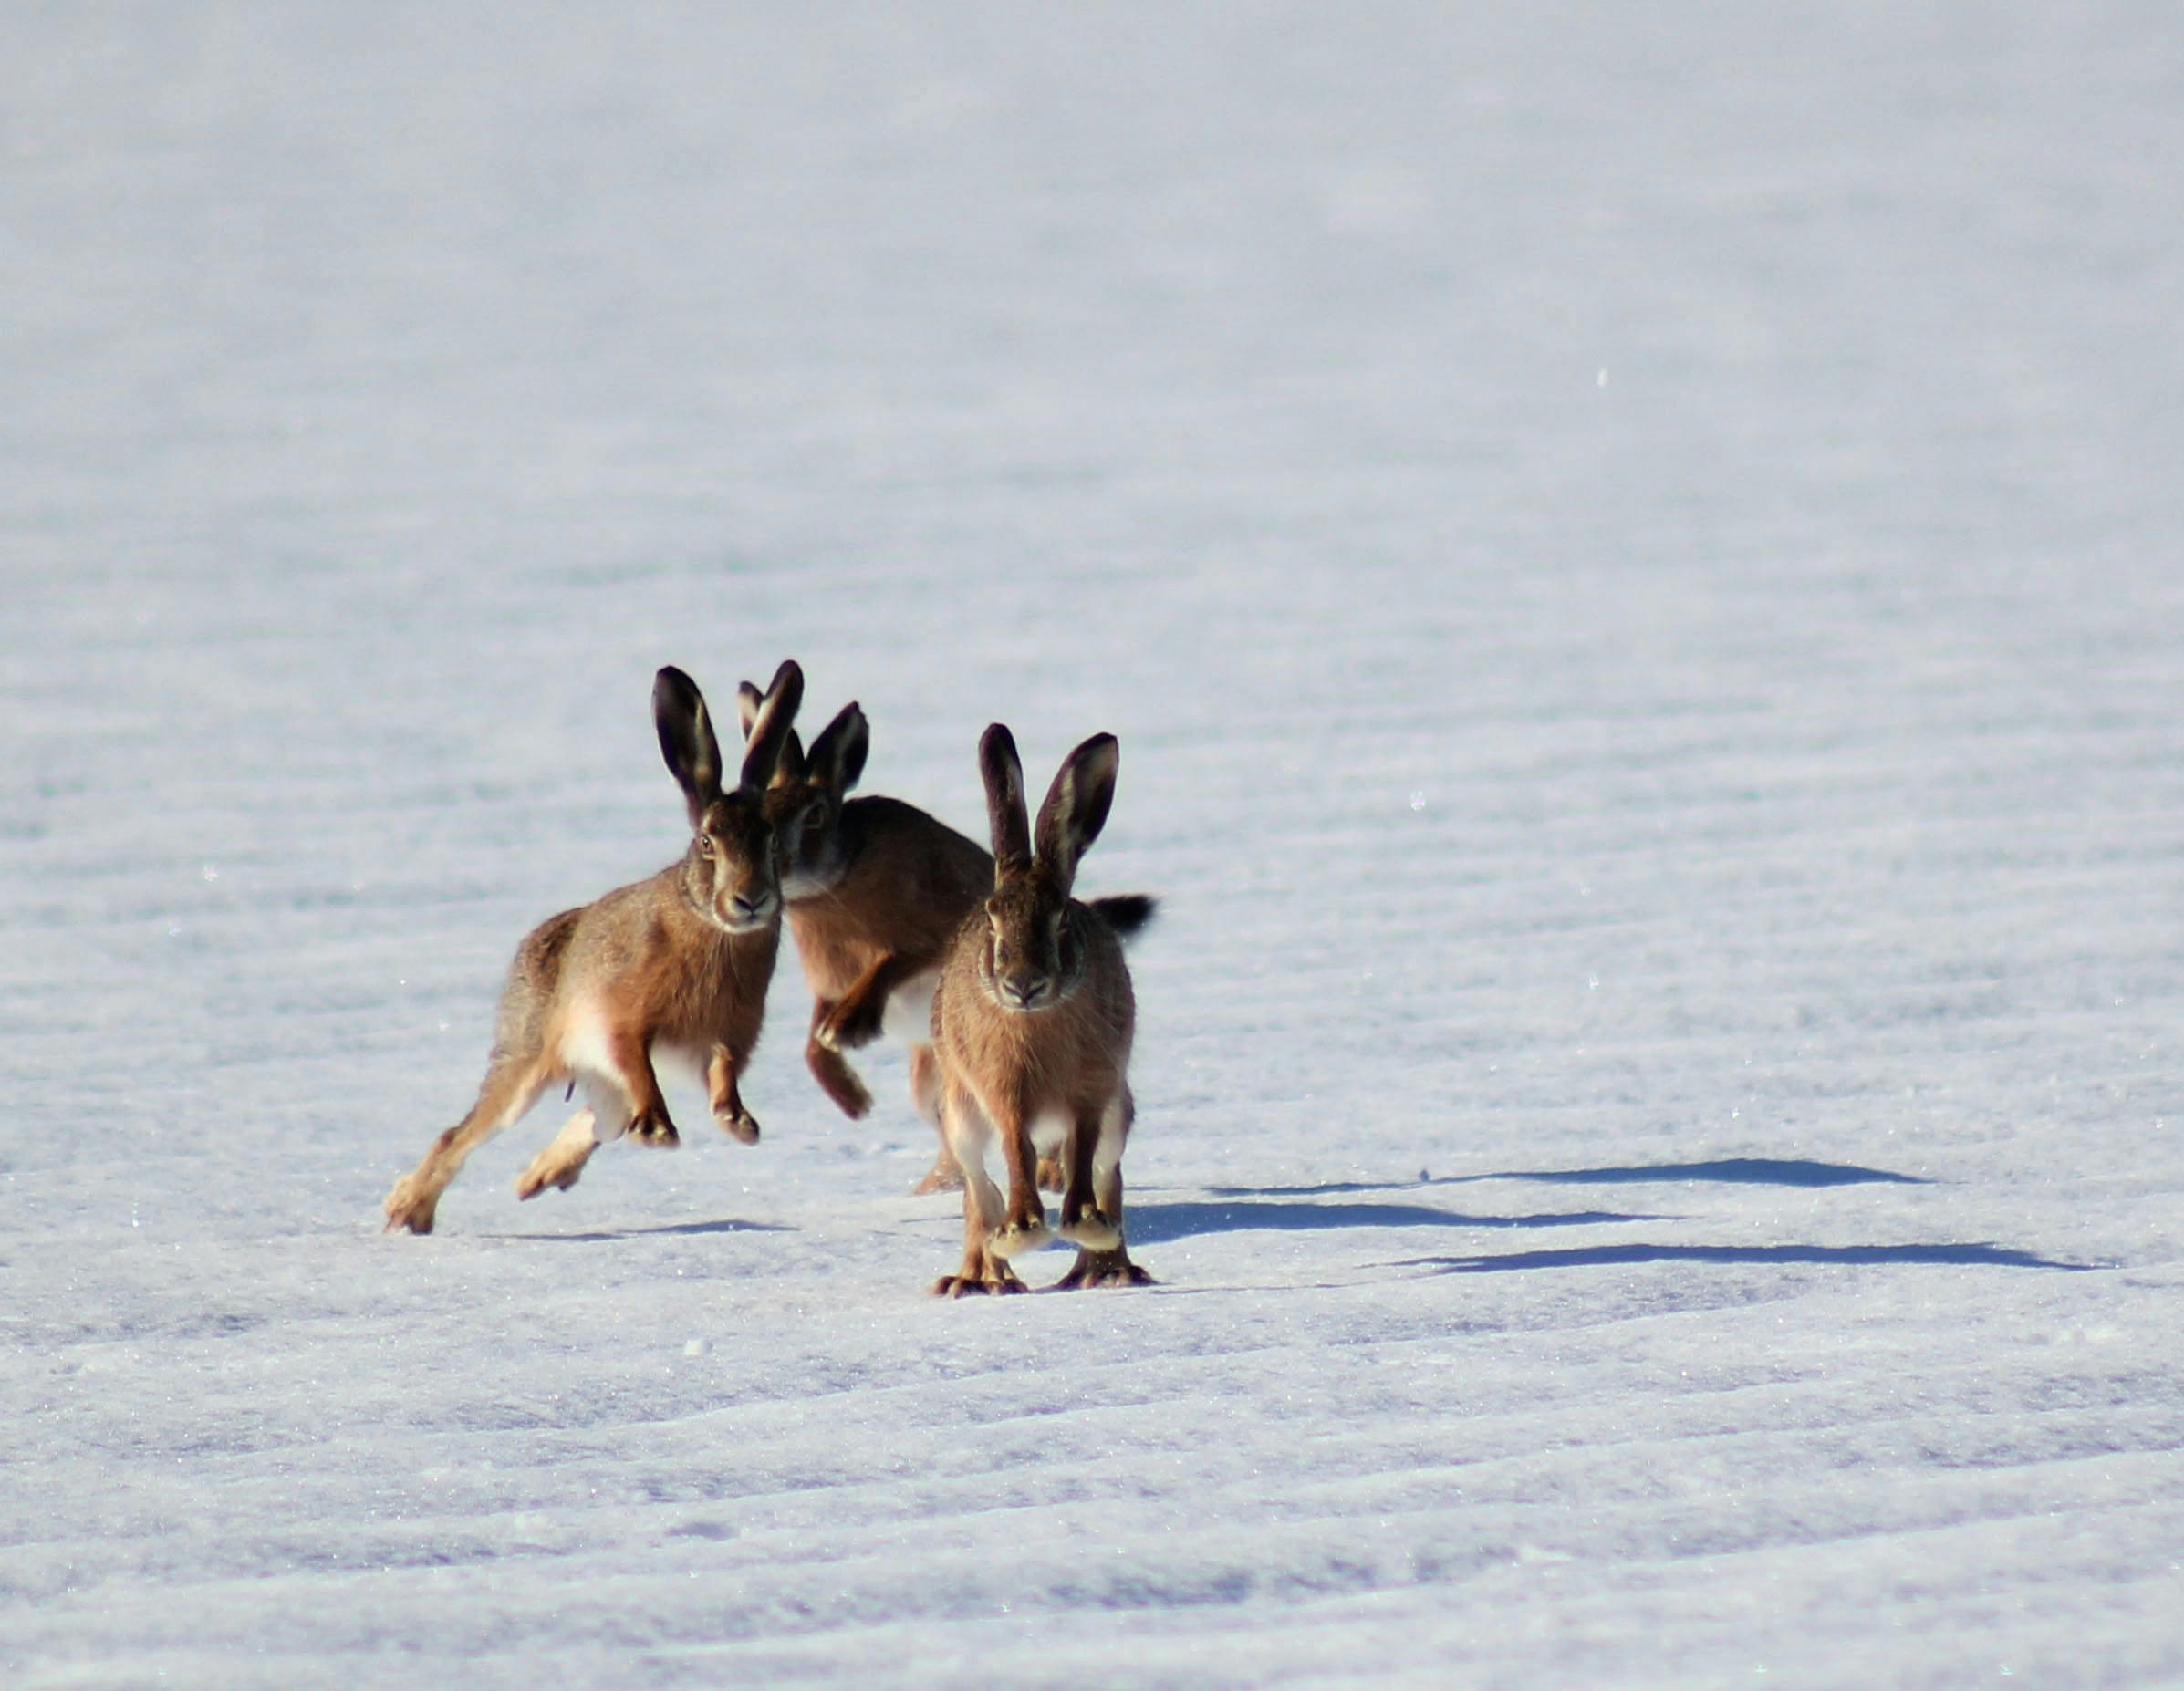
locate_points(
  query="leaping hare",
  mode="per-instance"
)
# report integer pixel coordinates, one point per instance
(676, 965)
(1032, 1021)
(876, 890)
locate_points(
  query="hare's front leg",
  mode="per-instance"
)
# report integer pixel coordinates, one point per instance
(1025, 1228)
(1099, 1161)
(837, 1079)
(1085, 1221)
(728, 1109)
(982, 1271)
(858, 1016)
(629, 1066)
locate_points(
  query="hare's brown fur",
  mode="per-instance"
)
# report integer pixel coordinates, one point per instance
(881, 930)
(674, 965)
(876, 891)
(876, 888)
(1032, 1022)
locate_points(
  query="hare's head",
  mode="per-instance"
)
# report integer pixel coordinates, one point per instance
(730, 872)
(1034, 955)
(804, 800)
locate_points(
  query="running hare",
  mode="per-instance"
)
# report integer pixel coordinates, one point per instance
(676, 966)
(1032, 1021)
(877, 889)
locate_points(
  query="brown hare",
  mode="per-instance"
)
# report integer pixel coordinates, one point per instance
(675, 966)
(1032, 1021)
(876, 890)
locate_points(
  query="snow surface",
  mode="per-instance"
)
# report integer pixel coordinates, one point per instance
(1634, 554)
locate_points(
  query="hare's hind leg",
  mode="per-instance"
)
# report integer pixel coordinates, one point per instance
(925, 1093)
(605, 1115)
(969, 1131)
(510, 1089)
(560, 1164)
(613, 1062)
(1101, 1161)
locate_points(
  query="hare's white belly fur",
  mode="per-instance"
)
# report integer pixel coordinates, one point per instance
(908, 1017)
(587, 1053)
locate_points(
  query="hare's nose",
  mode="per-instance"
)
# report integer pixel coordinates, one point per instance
(1021, 993)
(752, 907)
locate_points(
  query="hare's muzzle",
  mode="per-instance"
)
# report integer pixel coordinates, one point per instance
(747, 910)
(1023, 992)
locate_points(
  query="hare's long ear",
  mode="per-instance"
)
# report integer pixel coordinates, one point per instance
(686, 739)
(771, 728)
(1077, 805)
(838, 755)
(789, 771)
(1003, 771)
(748, 703)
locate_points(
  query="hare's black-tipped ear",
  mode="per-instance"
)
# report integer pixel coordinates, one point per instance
(1003, 771)
(686, 739)
(769, 734)
(838, 755)
(747, 701)
(1077, 805)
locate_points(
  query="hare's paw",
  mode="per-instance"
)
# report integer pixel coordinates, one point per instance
(547, 1170)
(850, 1026)
(837, 1080)
(739, 1124)
(655, 1131)
(1018, 1236)
(942, 1177)
(411, 1206)
(995, 1280)
(1091, 1231)
(562, 1161)
(1103, 1268)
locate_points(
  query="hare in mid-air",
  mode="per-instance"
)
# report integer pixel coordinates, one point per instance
(674, 966)
(876, 890)
(1032, 1021)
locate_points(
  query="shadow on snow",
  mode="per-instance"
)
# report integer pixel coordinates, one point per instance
(1727, 1170)
(1981, 1254)
(678, 1228)
(1156, 1223)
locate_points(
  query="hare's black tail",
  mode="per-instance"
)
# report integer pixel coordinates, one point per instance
(1126, 913)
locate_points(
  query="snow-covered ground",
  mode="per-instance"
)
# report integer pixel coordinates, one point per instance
(1636, 556)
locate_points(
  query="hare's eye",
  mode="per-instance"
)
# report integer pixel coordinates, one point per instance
(704, 845)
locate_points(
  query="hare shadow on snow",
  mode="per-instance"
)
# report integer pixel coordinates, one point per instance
(1981, 1253)
(1726, 1171)
(1154, 1223)
(1732, 1170)
(670, 1231)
